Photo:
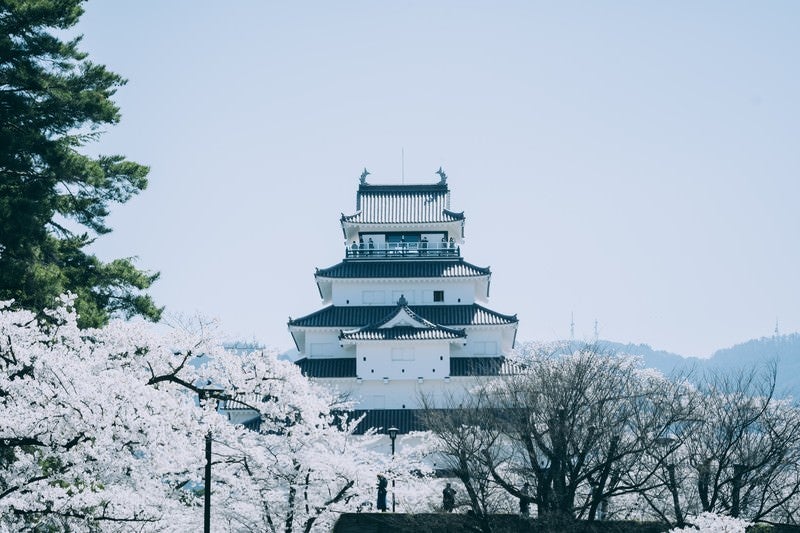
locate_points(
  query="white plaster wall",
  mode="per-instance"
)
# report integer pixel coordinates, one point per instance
(456, 292)
(431, 359)
(460, 349)
(326, 343)
(502, 336)
(480, 343)
(320, 344)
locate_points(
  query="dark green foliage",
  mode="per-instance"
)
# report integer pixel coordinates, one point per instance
(776, 528)
(53, 101)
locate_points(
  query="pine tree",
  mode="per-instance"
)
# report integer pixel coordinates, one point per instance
(53, 101)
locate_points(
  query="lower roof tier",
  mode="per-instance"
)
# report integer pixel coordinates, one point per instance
(345, 367)
(408, 420)
(445, 315)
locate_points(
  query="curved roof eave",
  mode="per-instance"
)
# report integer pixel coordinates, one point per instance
(377, 269)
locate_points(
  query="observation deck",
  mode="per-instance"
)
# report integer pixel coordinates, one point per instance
(399, 250)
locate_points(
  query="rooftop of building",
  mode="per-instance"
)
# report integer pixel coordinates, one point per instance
(444, 315)
(402, 324)
(403, 204)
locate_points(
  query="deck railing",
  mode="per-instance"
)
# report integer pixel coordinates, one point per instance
(366, 250)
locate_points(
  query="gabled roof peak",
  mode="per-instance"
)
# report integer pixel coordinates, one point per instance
(402, 324)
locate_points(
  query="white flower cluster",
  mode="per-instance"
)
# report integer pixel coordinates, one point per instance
(713, 523)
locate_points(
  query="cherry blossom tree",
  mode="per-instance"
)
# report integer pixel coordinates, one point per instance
(303, 466)
(102, 429)
(84, 440)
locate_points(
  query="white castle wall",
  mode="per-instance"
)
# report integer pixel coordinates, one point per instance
(456, 292)
(321, 344)
(403, 360)
(480, 342)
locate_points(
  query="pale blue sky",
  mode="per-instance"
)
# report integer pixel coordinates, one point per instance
(631, 162)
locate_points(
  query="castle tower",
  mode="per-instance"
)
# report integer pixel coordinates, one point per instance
(404, 313)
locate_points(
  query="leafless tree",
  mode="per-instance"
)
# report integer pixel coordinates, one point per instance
(742, 458)
(583, 428)
(465, 428)
(581, 424)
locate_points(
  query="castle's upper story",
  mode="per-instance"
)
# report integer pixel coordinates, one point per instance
(403, 240)
(402, 221)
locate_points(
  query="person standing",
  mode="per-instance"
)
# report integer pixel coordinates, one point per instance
(382, 484)
(448, 498)
(525, 500)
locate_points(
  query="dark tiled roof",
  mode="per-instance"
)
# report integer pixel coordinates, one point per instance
(253, 424)
(402, 333)
(446, 315)
(345, 367)
(481, 366)
(340, 367)
(403, 204)
(406, 420)
(403, 269)
(382, 419)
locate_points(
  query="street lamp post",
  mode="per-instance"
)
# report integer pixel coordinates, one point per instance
(207, 490)
(667, 443)
(393, 431)
(203, 393)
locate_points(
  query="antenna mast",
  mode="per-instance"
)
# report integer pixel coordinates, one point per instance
(572, 325)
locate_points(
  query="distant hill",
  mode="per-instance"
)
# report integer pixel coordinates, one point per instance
(783, 348)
